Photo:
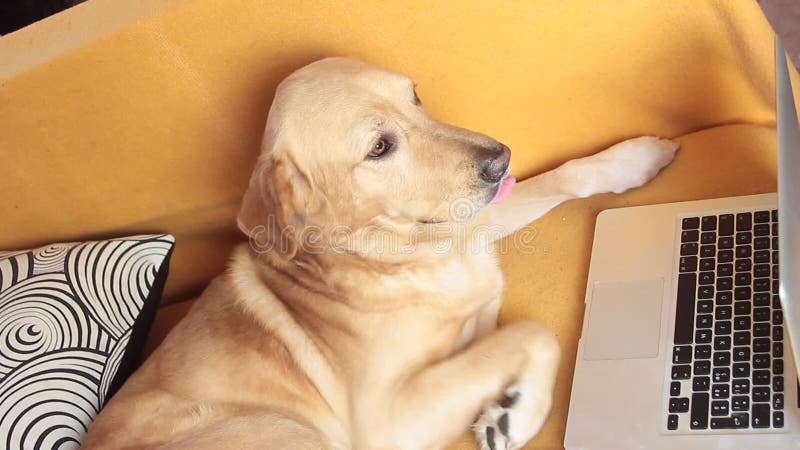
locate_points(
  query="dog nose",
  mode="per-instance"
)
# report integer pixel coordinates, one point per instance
(495, 166)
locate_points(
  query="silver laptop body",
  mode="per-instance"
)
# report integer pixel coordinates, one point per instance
(686, 334)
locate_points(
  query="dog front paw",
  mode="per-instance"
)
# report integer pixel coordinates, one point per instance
(493, 428)
(624, 166)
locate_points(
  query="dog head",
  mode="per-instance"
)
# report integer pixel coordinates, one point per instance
(350, 145)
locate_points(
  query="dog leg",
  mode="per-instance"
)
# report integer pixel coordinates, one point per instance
(438, 404)
(624, 166)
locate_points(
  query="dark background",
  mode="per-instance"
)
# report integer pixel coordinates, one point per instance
(15, 14)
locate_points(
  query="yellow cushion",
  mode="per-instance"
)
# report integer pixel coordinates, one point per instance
(151, 120)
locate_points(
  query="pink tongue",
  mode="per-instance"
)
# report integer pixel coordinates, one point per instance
(505, 188)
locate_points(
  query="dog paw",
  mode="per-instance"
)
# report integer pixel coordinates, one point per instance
(624, 166)
(493, 428)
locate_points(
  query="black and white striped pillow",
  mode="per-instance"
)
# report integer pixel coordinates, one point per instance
(73, 320)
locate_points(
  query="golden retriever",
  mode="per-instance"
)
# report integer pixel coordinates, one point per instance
(363, 312)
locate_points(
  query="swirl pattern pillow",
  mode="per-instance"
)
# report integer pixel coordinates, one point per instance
(73, 320)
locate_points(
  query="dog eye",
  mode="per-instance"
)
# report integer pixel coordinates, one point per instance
(380, 148)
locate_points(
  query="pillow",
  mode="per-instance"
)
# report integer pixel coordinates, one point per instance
(73, 321)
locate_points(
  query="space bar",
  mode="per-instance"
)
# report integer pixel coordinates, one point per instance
(684, 312)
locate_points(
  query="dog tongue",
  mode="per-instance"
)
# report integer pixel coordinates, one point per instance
(505, 188)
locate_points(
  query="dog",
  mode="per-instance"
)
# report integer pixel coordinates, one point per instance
(362, 314)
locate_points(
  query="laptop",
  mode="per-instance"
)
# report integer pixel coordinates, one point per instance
(691, 309)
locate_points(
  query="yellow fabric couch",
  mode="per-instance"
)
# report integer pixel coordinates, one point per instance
(122, 117)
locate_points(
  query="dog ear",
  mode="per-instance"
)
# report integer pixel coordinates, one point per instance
(274, 206)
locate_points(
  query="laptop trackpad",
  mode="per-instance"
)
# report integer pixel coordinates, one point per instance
(624, 319)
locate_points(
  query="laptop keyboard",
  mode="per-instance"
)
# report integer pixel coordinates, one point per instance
(727, 357)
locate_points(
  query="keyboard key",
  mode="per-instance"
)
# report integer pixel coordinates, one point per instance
(744, 221)
(777, 317)
(761, 216)
(719, 408)
(723, 313)
(705, 278)
(725, 226)
(723, 327)
(702, 351)
(761, 361)
(684, 313)
(761, 285)
(724, 298)
(679, 405)
(775, 244)
(777, 350)
(720, 391)
(761, 415)
(775, 286)
(777, 383)
(681, 372)
(741, 338)
(690, 223)
(725, 256)
(690, 236)
(742, 308)
(743, 238)
(761, 271)
(704, 321)
(687, 264)
(722, 343)
(702, 336)
(761, 329)
(740, 387)
(736, 421)
(725, 242)
(709, 223)
(777, 333)
(777, 401)
(724, 284)
(705, 307)
(741, 370)
(761, 256)
(701, 384)
(741, 354)
(761, 315)
(709, 237)
(761, 299)
(761, 378)
(761, 394)
(742, 251)
(775, 215)
(689, 249)
(722, 359)
(702, 367)
(707, 251)
(761, 243)
(681, 354)
(741, 323)
(743, 265)
(761, 229)
(777, 366)
(672, 422)
(699, 414)
(743, 279)
(724, 270)
(777, 419)
(775, 229)
(775, 258)
(742, 293)
(707, 264)
(675, 388)
(760, 345)
(740, 403)
(721, 375)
